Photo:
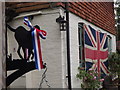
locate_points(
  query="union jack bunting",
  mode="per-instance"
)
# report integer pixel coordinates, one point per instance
(96, 50)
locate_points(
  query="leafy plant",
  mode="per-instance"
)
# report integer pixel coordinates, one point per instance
(90, 79)
(114, 63)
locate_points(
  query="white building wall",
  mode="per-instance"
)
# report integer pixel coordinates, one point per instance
(51, 49)
(74, 48)
(54, 49)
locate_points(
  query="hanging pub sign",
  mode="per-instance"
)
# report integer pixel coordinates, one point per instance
(27, 41)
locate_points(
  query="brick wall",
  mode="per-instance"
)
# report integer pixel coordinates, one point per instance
(100, 14)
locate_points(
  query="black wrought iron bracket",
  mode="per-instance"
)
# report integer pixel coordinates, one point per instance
(21, 67)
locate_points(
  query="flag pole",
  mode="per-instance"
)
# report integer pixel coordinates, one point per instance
(68, 45)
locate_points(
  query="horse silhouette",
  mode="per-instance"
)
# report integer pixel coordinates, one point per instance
(24, 40)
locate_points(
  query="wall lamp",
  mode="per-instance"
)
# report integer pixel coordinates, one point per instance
(62, 23)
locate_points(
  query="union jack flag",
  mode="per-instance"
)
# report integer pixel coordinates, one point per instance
(96, 50)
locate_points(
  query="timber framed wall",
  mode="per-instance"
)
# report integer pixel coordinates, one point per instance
(2, 47)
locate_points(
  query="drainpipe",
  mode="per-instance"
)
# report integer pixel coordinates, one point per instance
(68, 45)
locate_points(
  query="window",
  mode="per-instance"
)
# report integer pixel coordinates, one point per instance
(81, 44)
(109, 44)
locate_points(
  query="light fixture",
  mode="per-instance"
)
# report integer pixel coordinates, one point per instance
(62, 23)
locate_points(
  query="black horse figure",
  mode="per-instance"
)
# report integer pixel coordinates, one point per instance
(24, 40)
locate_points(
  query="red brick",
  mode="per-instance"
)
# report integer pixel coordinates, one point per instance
(99, 13)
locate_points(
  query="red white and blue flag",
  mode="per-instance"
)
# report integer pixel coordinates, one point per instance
(96, 50)
(36, 34)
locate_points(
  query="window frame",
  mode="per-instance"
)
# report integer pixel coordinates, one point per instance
(109, 44)
(81, 45)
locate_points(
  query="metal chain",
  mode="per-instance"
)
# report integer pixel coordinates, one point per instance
(44, 79)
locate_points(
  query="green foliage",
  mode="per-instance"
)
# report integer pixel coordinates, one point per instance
(90, 79)
(114, 63)
(118, 33)
(118, 21)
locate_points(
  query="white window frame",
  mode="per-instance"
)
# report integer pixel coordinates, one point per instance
(81, 45)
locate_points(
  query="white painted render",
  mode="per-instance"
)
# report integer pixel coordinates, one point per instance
(74, 20)
(51, 49)
(54, 49)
